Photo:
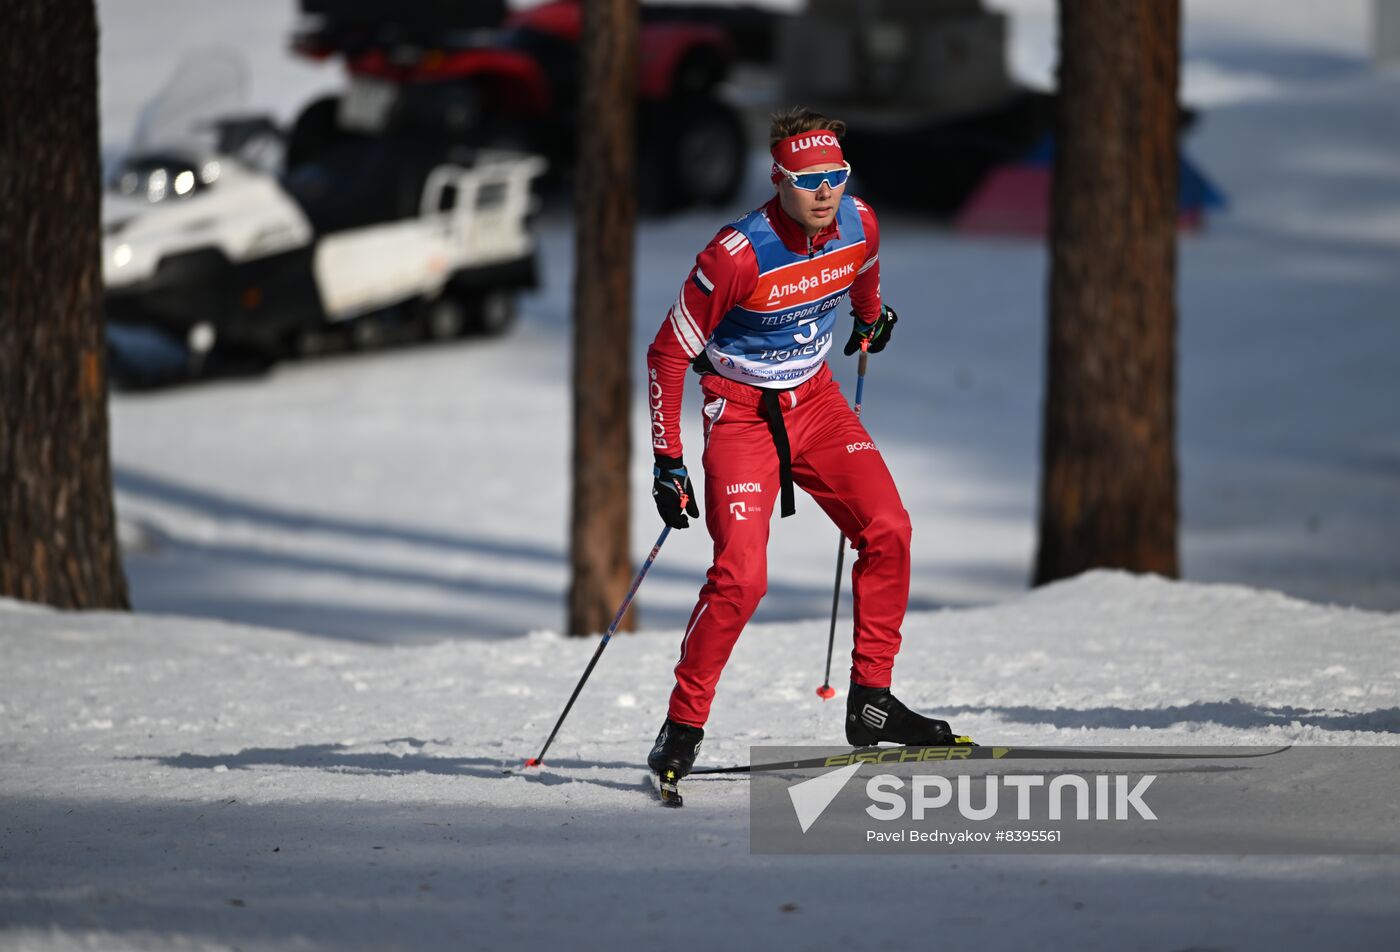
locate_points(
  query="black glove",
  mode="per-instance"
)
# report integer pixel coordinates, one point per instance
(673, 493)
(877, 332)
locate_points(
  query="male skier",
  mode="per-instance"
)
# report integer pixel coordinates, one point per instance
(756, 318)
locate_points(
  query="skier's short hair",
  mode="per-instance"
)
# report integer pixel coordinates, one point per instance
(798, 120)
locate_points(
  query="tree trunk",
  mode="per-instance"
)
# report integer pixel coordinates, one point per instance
(1109, 487)
(605, 205)
(57, 526)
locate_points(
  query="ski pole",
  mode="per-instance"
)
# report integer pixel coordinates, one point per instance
(826, 691)
(617, 620)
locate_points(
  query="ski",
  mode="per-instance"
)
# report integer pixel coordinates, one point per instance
(908, 755)
(668, 788)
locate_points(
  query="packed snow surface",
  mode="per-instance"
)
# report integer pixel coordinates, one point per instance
(174, 783)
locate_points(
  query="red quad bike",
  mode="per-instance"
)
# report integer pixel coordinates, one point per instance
(471, 74)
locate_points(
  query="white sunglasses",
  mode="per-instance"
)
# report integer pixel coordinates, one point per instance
(811, 181)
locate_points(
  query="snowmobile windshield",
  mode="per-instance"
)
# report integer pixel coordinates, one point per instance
(190, 129)
(183, 116)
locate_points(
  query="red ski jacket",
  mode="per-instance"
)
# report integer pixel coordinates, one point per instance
(718, 297)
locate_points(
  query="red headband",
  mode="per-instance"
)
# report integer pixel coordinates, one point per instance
(817, 147)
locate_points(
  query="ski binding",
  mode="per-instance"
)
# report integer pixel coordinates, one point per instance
(668, 788)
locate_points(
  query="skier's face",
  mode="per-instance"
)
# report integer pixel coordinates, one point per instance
(812, 210)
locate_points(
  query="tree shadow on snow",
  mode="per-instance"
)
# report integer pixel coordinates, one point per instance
(342, 758)
(189, 575)
(1231, 713)
(136, 483)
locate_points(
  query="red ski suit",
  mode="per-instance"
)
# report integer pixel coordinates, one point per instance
(832, 456)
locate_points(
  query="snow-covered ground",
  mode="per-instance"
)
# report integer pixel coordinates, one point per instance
(190, 777)
(173, 783)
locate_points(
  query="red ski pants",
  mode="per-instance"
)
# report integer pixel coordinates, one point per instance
(837, 464)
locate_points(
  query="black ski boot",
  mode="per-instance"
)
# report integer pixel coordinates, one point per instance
(675, 750)
(672, 758)
(874, 715)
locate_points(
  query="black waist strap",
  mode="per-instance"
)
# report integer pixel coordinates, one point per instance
(774, 412)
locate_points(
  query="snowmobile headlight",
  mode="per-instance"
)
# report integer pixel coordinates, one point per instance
(209, 174)
(184, 183)
(157, 184)
(201, 337)
(121, 255)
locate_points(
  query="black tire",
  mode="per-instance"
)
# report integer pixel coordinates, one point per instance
(699, 72)
(491, 313)
(445, 318)
(692, 153)
(367, 332)
(308, 342)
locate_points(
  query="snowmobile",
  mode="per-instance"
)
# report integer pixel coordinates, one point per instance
(475, 70)
(207, 246)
